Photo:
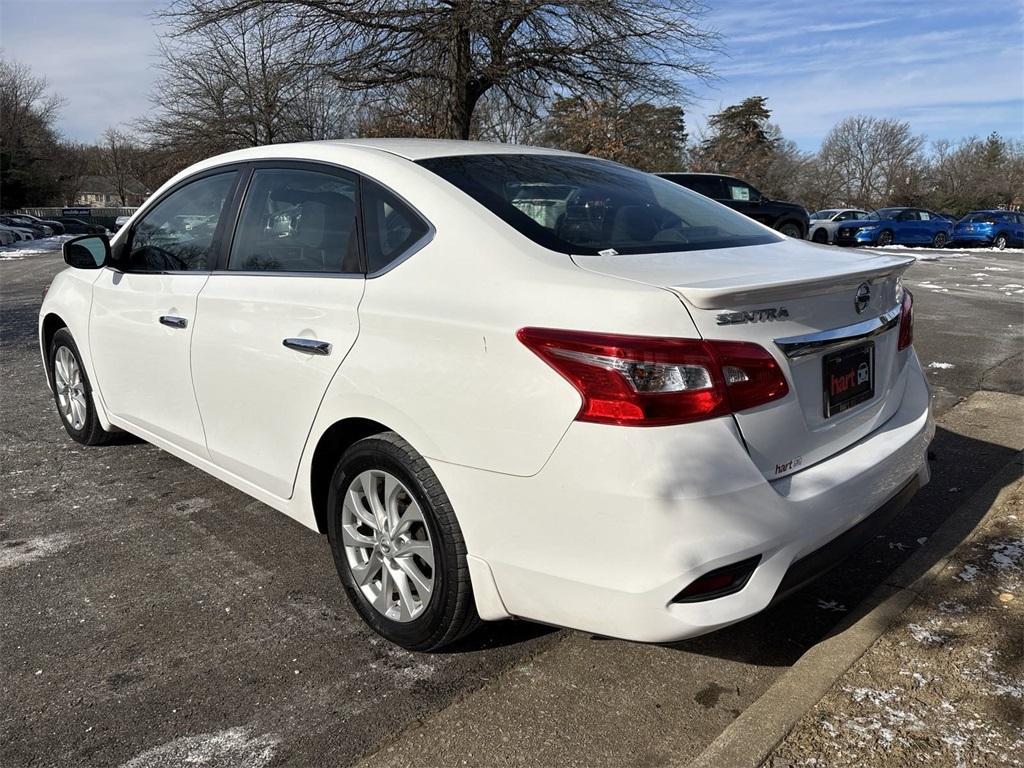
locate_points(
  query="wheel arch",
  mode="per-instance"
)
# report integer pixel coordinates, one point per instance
(51, 323)
(335, 440)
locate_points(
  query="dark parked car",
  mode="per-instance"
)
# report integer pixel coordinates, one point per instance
(53, 224)
(79, 227)
(789, 218)
(897, 226)
(39, 230)
(997, 228)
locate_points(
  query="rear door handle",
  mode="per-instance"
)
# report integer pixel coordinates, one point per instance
(309, 346)
(173, 321)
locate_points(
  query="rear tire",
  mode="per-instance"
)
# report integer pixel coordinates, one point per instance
(884, 238)
(791, 229)
(1001, 241)
(941, 240)
(820, 236)
(398, 547)
(72, 392)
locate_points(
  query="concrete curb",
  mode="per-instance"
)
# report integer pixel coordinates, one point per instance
(751, 737)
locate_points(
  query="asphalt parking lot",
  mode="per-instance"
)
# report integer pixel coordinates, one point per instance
(152, 615)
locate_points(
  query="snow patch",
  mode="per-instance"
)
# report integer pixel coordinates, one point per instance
(926, 636)
(941, 366)
(20, 552)
(231, 748)
(968, 573)
(1007, 554)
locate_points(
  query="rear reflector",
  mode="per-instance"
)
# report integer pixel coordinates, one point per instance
(719, 582)
(651, 381)
(906, 337)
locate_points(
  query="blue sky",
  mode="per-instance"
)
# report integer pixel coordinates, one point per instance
(952, 68)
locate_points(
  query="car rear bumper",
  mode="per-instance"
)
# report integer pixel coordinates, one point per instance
(620, 520)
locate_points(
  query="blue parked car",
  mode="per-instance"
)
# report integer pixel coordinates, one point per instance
(998, 228)
(897, 226)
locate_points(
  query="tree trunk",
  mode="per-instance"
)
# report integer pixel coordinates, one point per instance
(458, 114)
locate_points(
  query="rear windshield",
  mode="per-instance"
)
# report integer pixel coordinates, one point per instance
(979, 217)
(589, 206)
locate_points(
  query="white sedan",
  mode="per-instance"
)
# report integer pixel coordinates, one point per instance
(637, 413)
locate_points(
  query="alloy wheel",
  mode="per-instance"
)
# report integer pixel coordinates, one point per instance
(387, 545)
(1001, 242)
(67, 377)
(940, 240)
(885, 238)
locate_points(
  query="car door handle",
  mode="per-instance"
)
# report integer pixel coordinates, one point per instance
(309, 346)
(173, 321)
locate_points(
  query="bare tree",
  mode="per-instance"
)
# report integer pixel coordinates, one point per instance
(870, 161)
(464, 49)
(28, 138)
(244, 80)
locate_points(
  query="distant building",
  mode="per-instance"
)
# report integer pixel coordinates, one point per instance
(101, 192)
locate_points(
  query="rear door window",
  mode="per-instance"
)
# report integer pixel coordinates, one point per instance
(709, 186)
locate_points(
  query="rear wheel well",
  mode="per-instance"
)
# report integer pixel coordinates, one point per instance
(334, 442)
(51, 324)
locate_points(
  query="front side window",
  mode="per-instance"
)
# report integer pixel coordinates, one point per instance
(296, 220)
(391, 227)
(740, 192)
(178, 234)
(591, 206)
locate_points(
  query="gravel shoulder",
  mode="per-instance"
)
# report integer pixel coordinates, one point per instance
(945, 684)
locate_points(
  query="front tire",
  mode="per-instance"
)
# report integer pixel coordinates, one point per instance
(884, 238)
(820, 236)
(72, 392)
(398, 547)
(941, 240)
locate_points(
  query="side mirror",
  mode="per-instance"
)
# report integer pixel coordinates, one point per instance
(87, 251)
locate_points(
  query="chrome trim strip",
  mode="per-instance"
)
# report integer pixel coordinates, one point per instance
(812, 343)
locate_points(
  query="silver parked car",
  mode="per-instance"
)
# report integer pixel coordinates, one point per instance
(824, 223)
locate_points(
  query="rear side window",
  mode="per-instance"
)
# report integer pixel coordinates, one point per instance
(296, 220)
(709, 186)
(391, 228)
(178, 234)
(586, 206)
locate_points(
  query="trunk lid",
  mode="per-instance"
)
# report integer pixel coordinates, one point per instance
(799, 302)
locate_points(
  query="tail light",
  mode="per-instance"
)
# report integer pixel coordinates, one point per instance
(646, 381)
(906, 320)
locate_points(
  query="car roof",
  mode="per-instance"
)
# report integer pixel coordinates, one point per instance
(410, 149)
